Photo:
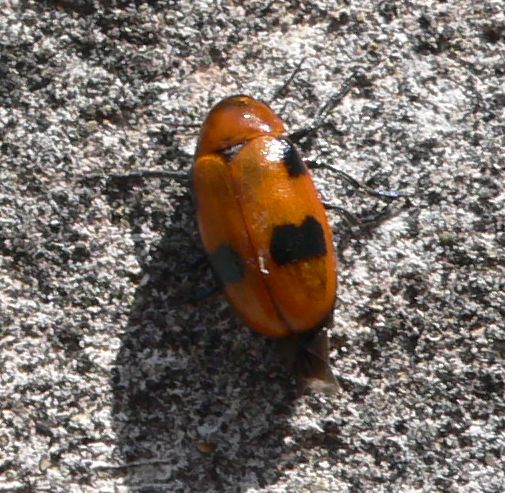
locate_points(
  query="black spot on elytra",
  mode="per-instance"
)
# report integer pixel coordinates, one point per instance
(291, 243)
(291, 159)
(227, 264)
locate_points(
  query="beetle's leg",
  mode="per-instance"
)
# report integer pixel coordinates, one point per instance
(387, 195)
(349, 218)
(202, 294)
(369, 222)
(180, 176)
(281, 91)
(200, 262)
(193, 294)
(320, 118)
(358, 227)
(335, 99)
(121, 180)
(361, 225)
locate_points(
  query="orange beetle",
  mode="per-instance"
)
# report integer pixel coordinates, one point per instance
(265, 230)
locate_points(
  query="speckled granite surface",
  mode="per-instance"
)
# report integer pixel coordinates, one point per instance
(110, 382)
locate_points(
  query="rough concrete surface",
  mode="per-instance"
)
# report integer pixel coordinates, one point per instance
(112, 382)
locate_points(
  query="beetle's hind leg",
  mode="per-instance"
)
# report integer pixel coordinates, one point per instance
(386, 195)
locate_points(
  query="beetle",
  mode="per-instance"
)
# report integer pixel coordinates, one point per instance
(265, 230)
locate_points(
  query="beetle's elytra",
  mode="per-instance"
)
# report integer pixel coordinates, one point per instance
(263, 226)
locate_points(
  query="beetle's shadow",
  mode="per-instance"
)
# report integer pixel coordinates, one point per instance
(197, 398)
